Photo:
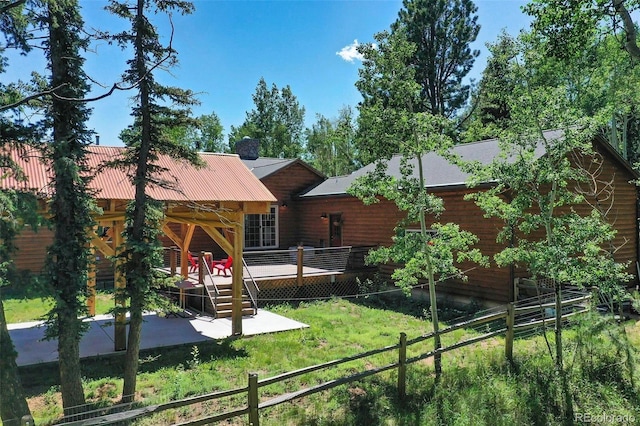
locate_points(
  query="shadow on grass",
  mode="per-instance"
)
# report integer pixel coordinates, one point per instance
(37, 379)
(418, 307)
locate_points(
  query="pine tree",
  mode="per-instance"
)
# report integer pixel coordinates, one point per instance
(147, 140)
(442, 31)
(71, 204)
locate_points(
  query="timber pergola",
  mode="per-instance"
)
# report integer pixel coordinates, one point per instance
(214, 197)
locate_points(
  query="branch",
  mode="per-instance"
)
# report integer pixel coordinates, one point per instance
(629, 28)
(116, 86)
(31, 97)
(7, 7)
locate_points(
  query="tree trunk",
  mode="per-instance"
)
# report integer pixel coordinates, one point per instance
(13, 404)
(67, 261)
(69, 363)
(566, 393)
(132, 357)
(558, 328)
(437, 358)
(138, 272)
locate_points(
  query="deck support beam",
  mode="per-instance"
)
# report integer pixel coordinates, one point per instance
(236, 274)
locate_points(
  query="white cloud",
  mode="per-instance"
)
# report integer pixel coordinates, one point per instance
(350, 52)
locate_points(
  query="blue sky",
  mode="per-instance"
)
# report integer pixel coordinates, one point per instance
(225, 47)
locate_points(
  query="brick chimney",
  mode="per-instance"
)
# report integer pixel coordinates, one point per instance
(247, 148)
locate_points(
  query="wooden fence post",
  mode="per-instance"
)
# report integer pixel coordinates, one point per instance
(254, 418)
(300, 265)
(402, 367)
(511, 316)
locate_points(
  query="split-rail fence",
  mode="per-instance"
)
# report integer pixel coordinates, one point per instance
(504, 321)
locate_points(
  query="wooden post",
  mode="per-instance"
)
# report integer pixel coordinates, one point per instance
(508, 344)
(254, 417)
(201, 268)
(236, 277)
(173, 259)
(402, 367)
(300, 264)
(91, 283)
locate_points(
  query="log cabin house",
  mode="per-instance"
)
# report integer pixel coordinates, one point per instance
(330, 215)
(312, 210)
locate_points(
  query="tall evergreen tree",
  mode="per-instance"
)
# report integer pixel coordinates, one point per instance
(71, 204)
(13, 404)
(148, 139)
(490, 111)
(442, 31)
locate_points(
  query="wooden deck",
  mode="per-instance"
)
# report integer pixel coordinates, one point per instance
(258, 273)
(194, 294)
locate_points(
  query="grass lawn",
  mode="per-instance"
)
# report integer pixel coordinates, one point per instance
(478, 386)
(20, 309)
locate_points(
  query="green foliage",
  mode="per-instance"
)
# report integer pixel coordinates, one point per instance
(388, 90)
(331, 145)
(277, 121)
(570, 25)
(16, 210)
(209, 134)
(447, 247)
(490, 104)
(203, 134)
(596, 73)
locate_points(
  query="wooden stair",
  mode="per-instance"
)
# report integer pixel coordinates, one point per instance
(223, 302)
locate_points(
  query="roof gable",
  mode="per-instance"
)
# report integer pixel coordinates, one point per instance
(263, 167)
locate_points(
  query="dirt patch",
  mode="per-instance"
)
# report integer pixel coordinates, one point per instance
(41, 402)
(356, 393)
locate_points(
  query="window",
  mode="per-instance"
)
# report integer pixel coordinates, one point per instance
(261, 230)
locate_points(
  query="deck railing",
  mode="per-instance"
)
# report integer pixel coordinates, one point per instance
(204, 268)
(250, 286)
(287, 263)
(296, 261)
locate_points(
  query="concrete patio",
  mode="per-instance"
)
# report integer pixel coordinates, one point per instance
(156, 332)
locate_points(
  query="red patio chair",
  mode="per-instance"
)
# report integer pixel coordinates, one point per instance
(193, 263)
(223, 265)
